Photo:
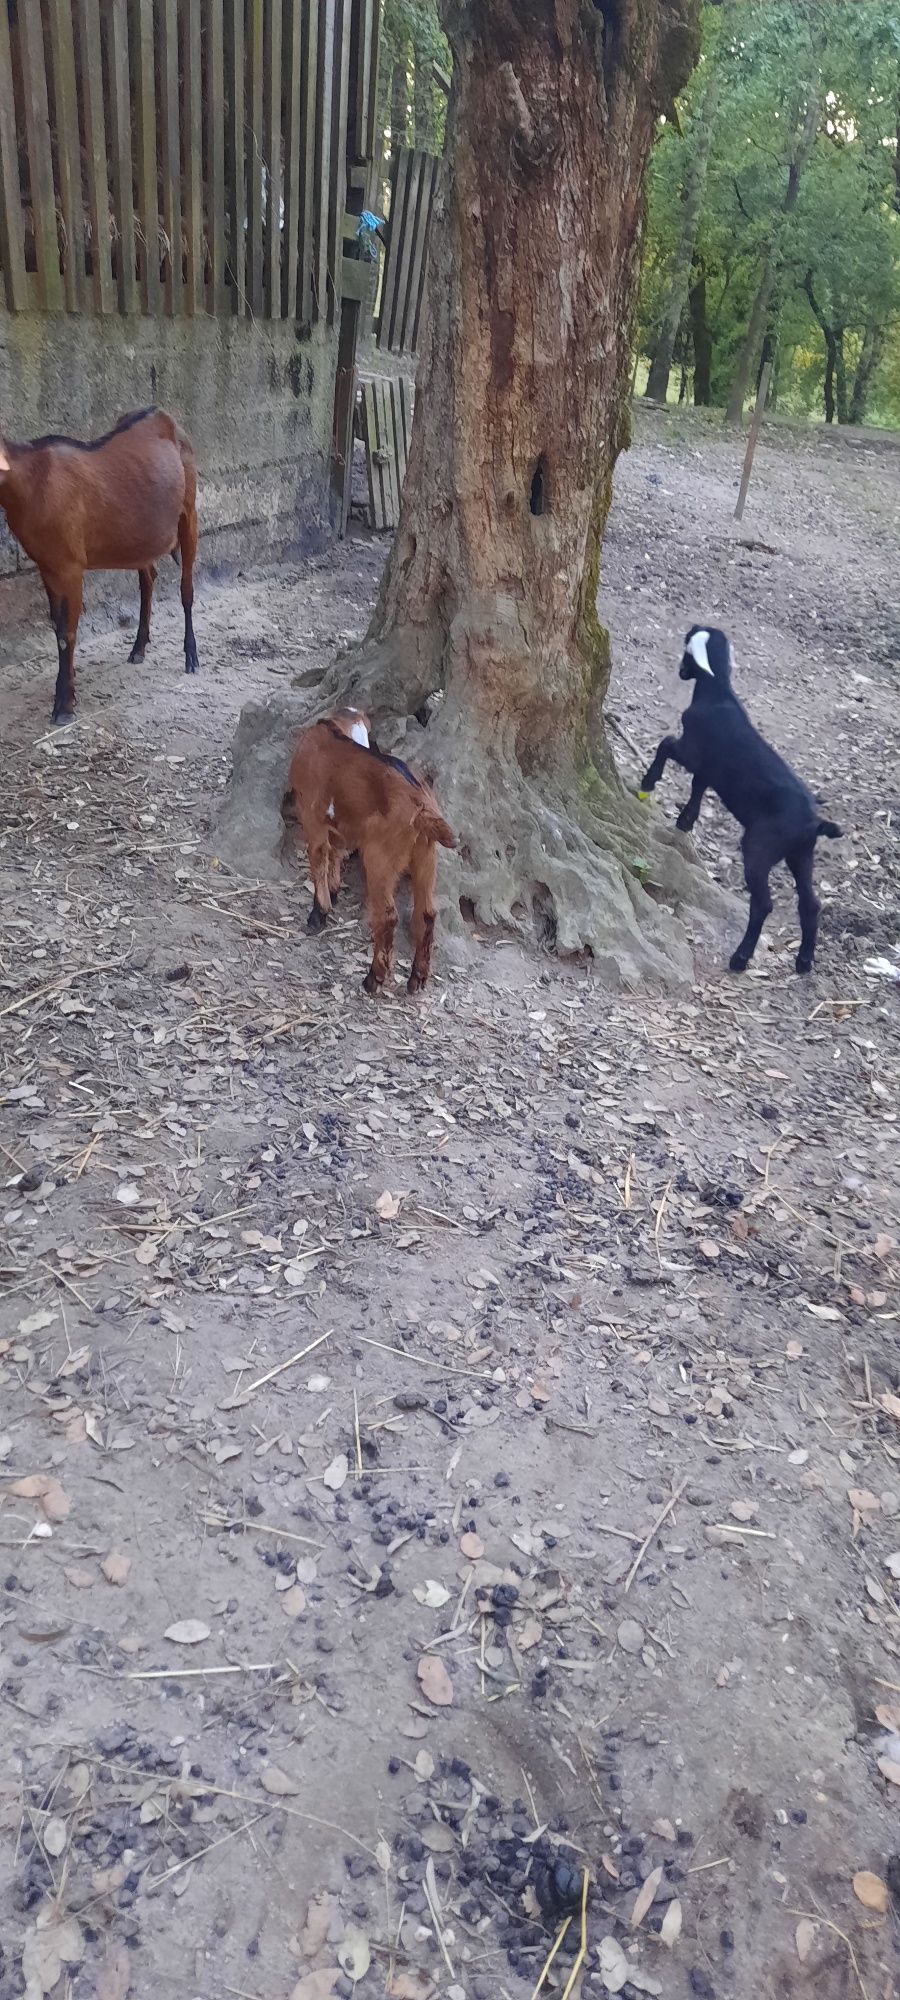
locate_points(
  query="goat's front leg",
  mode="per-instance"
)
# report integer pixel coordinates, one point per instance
(690, 813)
(671, 750)
(65, 610)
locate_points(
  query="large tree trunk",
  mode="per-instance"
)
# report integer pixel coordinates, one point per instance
(840, 376)
(773, 259)
(489, 597)
(692, 193)
(869, 361)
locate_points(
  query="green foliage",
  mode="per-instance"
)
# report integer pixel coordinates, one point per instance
(841, 241)
(411, 42)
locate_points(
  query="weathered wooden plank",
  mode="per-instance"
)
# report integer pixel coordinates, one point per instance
(272, 158)
(293, 75)
(308, 90)
(235, 159)
(95, 144)
(255, 48)
(408, 250)
(120, 152)
(40, 159)
(12, 249)
(145, 140)
(389, 448)
(192, 114)
(367, 432)
(398, 187)
(68, 149)
(167, 30)
(366, 14)
(413, 315)
(337, 191)
(214, 106)
(323, 165)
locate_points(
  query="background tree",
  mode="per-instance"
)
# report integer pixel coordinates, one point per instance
(489, 598)
(839, 239)
(696, 161)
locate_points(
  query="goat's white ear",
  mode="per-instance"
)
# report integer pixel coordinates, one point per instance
(360, 734)
(4, 458)
(697, 646)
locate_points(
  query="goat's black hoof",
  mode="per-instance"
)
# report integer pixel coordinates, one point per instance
(803, 963)
(317, 919)
(191, 662)
(135, 658)
(371, 984)
(685, 825)
(737, 962)
(62, 716)
(416, 982)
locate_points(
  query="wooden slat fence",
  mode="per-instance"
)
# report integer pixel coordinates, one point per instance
(413, 183)
(175, 157)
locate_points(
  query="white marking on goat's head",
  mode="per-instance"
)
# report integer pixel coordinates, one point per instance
(697, 646)
(360, 734)
(329, 810)
(706, 652)
(4, 459)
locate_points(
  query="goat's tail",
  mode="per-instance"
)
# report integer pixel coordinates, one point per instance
(435, 828)
(830, 830)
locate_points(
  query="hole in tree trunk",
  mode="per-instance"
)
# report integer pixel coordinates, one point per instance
(467, 909)
(544, 913)
(538, 499)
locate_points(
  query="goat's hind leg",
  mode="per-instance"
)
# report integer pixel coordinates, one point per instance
(318, 849)
(187, 542)
(381, 884)
(65, 611)
(423, 875)
(800, 861)
(760, 853)
(146, 580)
(690, 812)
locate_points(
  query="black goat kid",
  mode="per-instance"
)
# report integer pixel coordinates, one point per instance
(725, 754)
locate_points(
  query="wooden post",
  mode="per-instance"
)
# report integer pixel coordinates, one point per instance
(764, 380)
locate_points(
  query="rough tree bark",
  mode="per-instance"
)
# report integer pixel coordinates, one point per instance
(702, 128)
(489, 595)
(773, 259)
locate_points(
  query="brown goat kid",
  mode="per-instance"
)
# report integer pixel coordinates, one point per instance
(122, 501)
(349, 796)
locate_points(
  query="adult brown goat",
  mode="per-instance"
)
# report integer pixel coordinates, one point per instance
(347, 795)
(122, 501)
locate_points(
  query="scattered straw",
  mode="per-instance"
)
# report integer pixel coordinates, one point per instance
(551, 1956)
(676, 1496)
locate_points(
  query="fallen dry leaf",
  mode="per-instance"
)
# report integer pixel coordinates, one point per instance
(114, 1981)
(889, 1770)
(46, 1950)
(318, 1985)
(431, 1594)
(336, 1473)
(35, 1322)
(293, 1601)
(890, 1403)
(434, 1680)
(54, 1837)
(804, 1937)
(613, 1964)
(387, 1206)
(794, 1349)
(744, 1510)
(278, 1783)
(41, 1486)
(472, 1546)
(80, 1579)
(321, 1913)
(871, 1891)
(823, 1312)
(664, 1828)
(410, 1986)
(644, 1897)
(670, 1928)
(354, 1954)
(862, 1501)
(187, 1632)
(709, 1249)
(115, 1566)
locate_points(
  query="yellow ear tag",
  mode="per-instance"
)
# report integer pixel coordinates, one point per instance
(645, 795)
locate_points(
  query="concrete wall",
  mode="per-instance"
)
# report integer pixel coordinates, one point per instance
(256, 401)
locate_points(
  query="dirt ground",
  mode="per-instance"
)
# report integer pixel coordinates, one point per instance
(449, 1447)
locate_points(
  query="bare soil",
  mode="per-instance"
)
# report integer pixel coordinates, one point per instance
(501, 1385)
